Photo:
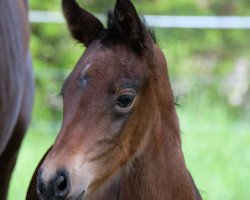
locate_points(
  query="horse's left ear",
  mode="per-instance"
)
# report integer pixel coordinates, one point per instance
(83, 26)
(129, 22)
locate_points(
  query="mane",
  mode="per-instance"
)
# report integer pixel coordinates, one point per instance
(112, 34)
(150, 30)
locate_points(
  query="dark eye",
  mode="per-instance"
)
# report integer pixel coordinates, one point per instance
(125, 101)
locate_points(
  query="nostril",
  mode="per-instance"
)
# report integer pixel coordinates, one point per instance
(56, 187)
(62, 185)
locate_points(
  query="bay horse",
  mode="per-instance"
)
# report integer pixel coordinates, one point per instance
(16, 85)
(120, 136)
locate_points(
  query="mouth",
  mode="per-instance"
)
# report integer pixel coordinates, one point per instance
(79, 197)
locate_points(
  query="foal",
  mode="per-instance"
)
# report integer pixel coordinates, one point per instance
(120, 136)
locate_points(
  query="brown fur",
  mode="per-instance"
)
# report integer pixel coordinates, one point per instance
(112, 155)
(16, 85)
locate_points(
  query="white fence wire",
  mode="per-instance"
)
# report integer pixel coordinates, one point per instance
(200, 22)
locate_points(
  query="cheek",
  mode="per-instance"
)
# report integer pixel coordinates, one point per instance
(104, 138)
(103, 157)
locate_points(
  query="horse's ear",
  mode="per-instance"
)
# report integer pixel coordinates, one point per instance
(129, 22)
(83, 26)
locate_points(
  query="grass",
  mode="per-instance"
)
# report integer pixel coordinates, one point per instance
(216, 149)
(217, 153)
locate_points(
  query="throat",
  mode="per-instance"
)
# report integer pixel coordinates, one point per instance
(158, 173)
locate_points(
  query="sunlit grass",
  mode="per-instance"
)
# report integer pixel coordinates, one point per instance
(217, 153)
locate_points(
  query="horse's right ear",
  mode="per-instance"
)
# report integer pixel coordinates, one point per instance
(83, 26)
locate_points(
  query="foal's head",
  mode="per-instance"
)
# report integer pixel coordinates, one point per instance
(111, 101)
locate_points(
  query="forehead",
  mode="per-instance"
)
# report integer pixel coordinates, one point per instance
(111, 61)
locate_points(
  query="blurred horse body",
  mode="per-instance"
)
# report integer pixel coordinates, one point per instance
(16, 85)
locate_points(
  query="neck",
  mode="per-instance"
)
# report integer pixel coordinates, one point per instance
(160, 171)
